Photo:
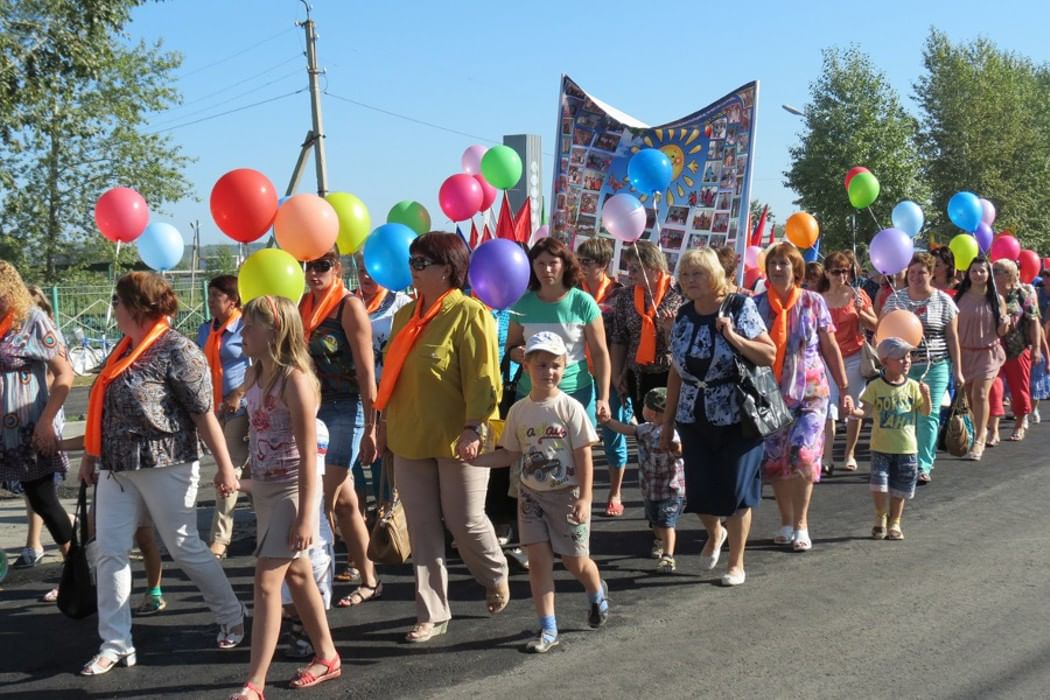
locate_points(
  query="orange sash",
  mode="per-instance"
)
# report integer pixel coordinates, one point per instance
(603, 289)
(212, 350)
(779, 331)
(113, 369)
(5, 324)
(400, 345)
(377, 301)
(646, 354)
(313, 314)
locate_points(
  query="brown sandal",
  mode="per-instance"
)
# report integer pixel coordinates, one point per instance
(359, 597)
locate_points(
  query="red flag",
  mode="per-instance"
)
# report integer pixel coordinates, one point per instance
(473, 235)
(505, 223)
(486, 234)
(523, 223)
(772, 230)
(756, 235)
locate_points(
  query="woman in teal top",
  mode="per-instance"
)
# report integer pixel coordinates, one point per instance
(556, 303)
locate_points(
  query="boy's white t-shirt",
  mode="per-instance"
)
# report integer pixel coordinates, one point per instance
(546, 433)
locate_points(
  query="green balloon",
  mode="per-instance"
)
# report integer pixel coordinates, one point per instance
(411, 214)
(501, 167)
(271, 271)
(863, 190)
(355, 223)
(964, 248)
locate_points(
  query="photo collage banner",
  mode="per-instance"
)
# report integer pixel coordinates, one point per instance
(711, 153)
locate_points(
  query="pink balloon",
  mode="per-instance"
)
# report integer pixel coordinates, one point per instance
(306, 226)
(121, 214)
(623, 216)
(471, 160)
(488, 192)
(987, 211)
(460, 196)
(1029, 265)
(751, 256)
(1004, 247)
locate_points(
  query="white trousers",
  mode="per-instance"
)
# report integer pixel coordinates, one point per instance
(169, 496)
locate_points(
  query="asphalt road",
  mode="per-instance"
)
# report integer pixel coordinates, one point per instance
(957, 610)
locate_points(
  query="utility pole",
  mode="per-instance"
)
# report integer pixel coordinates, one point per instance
(315, 103)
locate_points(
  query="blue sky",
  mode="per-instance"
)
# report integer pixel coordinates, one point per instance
(488, 69)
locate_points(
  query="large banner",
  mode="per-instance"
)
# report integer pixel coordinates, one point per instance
(710, 150)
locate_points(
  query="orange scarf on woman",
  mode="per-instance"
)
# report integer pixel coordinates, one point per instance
(646, 354)
(5, 323)
(212, 350)
(400, 345)
(779, 330)
(604, 287)
(313, 314)
(114, 367)
(377, 301)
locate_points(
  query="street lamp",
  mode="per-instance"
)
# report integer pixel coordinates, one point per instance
(793, 110)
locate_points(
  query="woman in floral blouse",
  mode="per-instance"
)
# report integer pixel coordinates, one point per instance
(1021, 342)
(802, 330)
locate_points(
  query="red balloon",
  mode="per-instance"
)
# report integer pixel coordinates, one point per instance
(460, 196)
(1004, 247)
(244, 204)
(488, 192)
(1029, 265)
(854, 171)
(121, 214)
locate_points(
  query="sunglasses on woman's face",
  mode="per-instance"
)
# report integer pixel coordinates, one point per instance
(319, 265)
(114, 301)
(419, 263)
(839, 271)
(587, 262)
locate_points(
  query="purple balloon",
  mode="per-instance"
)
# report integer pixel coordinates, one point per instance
(987, 212)
(891, 251)
(471, 159)
(499, 272)
(984, 235)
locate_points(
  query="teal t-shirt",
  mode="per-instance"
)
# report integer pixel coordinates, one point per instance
(567, 317)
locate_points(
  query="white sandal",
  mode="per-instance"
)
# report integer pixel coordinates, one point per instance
(802, 543)
(95, 667)
(785, 535)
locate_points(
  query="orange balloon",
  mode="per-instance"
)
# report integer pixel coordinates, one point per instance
(902, 324)
(306, 226)
(802, 229)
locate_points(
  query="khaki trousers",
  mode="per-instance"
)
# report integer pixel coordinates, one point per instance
(235, 430)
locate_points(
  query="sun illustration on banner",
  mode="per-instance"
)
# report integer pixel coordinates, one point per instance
(682, 148)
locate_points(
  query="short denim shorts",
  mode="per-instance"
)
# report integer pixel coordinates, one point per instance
(895, 474)
(664, 513)
(345, 421)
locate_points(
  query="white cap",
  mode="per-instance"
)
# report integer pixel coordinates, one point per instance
(547, 342)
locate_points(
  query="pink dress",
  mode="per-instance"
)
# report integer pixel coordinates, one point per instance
(982, 353)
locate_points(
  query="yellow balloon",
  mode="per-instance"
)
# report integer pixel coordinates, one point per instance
(271, 271)
(355, 223)
(964, 249)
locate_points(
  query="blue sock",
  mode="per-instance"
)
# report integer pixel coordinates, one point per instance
(599, 598)
(549, 626)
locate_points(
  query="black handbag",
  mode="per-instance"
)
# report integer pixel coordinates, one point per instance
(77, 596)
(762, 407)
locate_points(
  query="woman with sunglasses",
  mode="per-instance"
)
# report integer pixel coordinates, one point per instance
(556, 303)
(852, 313)
(440, 388)
(339, 340)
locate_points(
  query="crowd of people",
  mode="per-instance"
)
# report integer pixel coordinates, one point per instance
(303, 407)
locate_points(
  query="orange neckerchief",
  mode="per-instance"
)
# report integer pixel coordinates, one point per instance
(604, 288)
(377, 301)
(313, 314)
(212, 349)
(115, 366)
(5, 323)
(646, 354)
(779, 331)
(400, 345)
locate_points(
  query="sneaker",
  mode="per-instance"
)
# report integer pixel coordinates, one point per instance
(28, 558)
(1036, 418)
(541, 644)
(666, 565)
(150, 605)
(658, 549)
(299, 646)
(598, 615)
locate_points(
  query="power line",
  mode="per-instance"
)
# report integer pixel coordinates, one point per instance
(411, 119)
(237, 53)
(231, 99)
(229, 111)
(223, 89)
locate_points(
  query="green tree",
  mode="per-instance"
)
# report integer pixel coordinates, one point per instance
(853, 118)
(222, 260)
(78, 129)
(986, 129)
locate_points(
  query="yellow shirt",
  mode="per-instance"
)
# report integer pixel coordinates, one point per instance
(894, 408)
(450, 376)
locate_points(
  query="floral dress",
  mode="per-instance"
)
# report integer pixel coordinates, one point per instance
(24, 354)
(798, 451)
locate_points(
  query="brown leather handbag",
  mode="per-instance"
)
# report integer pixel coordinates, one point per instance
(389, 542)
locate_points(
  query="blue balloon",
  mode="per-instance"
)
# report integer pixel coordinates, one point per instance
(965, 211)
(499, 273)
(908, 217)
(160, 246)
(810, 254)
(649, 171)
(386, 256)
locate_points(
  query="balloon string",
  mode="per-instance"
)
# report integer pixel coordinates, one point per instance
(654, 237)
(109, 306)
(648, 288)
(873, 218)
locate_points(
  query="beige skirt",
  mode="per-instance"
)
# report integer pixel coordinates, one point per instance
(276, 508)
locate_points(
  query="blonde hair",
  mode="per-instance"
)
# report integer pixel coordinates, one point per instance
(1009, 266)
(37, 295)
(14, 295)
(649, 255)
(287, 346)
(707, 260)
